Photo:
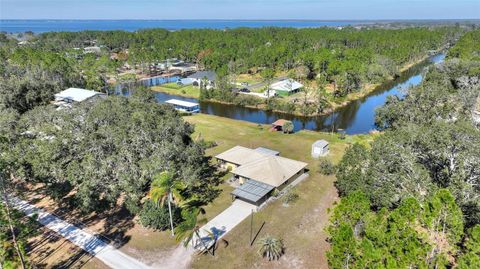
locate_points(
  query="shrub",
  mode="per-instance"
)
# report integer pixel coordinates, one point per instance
(288, 127)
(271, 247)
(155, 216)
(208, 144)
(290, 197)
(326, 167)
(275, 193)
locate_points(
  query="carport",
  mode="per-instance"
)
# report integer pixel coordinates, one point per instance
(253, 192)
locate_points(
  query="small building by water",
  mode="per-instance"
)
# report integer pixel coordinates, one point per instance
(184, 106)
(278, 125)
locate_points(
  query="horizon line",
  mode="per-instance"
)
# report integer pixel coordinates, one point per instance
(318, 20)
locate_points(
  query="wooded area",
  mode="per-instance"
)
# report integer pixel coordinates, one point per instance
(412, 198)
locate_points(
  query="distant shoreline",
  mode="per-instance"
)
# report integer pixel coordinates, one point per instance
(131, 25)
(48, 25)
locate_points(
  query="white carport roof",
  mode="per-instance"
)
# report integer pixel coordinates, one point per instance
(76, 94)
(181, 103)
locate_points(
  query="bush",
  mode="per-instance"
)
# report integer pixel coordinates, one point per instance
(290, 197)
(326, 167)
(155, 216)
(288, 127)
(208, 144)
(275, 193)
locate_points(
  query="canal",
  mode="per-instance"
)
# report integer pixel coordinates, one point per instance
(358, 117)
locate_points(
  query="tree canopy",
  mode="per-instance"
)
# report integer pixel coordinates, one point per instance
(109, 149)
(411, 198)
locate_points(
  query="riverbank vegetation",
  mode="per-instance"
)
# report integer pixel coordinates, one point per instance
(411, 198)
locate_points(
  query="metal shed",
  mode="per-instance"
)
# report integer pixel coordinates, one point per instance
(320, 148)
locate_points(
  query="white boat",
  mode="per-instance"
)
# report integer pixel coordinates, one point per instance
(184, 105)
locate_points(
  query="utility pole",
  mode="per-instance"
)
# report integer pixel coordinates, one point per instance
(251, 228)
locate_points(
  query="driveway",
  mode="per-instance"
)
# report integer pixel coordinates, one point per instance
(223, 223)
(109, 255)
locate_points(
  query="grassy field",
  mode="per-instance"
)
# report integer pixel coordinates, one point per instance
(250, 79)
(301, 225)
(174, 88)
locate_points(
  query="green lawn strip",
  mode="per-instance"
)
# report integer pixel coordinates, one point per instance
(172, 88)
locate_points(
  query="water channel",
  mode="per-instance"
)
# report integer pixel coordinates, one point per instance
(358, 117)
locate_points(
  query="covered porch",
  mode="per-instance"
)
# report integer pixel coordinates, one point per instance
(253, 192)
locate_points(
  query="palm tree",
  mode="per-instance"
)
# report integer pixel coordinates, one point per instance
(267, 77)
(165, 188)
(271, 247)
(190, 227)
(214, 238)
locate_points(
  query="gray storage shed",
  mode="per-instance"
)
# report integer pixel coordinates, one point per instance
(320, 148)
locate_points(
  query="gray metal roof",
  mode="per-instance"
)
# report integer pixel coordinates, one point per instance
(252, 190)
(267, 151)
(320, 143)
(210, 75)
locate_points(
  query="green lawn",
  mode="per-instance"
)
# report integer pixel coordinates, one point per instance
(300, 225)
(174, 88)
(250, 79)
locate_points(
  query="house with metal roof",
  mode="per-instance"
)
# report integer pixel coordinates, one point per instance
(286, 87)
(75, 95)
(259, 171)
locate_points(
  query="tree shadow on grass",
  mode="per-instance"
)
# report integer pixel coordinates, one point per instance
(76, 260)
(117, 223)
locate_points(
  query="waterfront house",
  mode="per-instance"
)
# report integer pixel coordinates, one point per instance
(75, 95)
(320, 148)
(259, 172)
(286, 87)
(184, 106)
(203, 78)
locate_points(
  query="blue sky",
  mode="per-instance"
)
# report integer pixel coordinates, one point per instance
(239, 9)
